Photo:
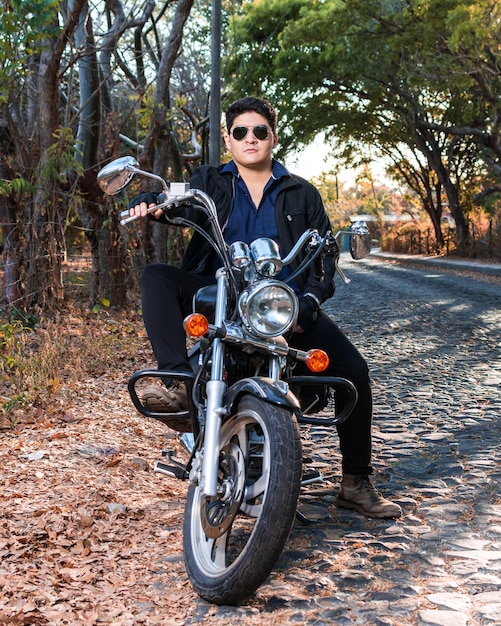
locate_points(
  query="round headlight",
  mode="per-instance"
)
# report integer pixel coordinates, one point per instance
(268, 309)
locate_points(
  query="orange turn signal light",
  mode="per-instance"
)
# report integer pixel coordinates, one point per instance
(317, 360)
(196, 325)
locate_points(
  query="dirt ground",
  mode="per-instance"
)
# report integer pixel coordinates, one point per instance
(89, 534)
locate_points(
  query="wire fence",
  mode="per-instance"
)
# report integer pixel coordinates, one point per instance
(75, 280)
(411, 238)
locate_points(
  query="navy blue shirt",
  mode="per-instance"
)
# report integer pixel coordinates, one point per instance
(246, 221)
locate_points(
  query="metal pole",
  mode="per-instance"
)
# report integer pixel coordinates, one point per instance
(215, 87)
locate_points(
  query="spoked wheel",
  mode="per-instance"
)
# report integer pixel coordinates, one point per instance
(232, 541)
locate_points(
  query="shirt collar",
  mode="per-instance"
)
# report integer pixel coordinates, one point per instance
(278, 171)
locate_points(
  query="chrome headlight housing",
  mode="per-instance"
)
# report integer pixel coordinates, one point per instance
(268, 308)
(266, 257)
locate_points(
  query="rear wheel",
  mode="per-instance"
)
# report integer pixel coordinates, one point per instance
(232, 541)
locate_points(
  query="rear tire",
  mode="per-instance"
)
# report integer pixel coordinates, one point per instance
(231, 542)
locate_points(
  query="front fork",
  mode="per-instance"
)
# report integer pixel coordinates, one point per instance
(215, 389)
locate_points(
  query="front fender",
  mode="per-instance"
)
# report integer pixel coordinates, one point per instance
(269, 390)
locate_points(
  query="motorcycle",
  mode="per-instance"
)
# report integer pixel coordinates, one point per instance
(249, 395)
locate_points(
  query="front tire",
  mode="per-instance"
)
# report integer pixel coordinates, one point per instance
(232, 541)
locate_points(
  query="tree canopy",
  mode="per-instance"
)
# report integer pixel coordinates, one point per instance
(413, 82)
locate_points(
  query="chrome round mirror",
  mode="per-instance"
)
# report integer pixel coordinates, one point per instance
(360, 241)
(117, 174)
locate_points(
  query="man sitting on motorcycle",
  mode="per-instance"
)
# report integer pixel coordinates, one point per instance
(256, 196)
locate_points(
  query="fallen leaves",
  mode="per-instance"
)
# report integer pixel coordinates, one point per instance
(89, 535)
(84, 524)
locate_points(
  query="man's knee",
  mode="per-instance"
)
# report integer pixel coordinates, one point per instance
(152, 276)
(357, 369)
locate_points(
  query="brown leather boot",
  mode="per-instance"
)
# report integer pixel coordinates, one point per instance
(162, 400)
(358, 492)
(171, 402)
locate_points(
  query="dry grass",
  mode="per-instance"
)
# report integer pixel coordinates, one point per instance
(44, 365)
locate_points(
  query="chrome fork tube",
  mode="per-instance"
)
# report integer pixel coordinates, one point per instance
(215, 388)
(274, 368)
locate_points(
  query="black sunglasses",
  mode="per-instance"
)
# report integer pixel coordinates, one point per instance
(260, 132)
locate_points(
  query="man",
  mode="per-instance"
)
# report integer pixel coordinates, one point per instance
(256, 196)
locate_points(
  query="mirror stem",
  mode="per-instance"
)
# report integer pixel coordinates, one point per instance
(344, 278)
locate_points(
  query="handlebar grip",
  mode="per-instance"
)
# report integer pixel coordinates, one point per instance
(125, 218)
(164, 200)
(128, 218)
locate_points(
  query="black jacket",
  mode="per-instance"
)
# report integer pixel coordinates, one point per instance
(298, 207)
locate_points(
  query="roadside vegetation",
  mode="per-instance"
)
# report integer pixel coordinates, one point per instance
(46, 360)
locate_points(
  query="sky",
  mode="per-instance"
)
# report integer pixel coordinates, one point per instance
(315, 160)
(311, 161)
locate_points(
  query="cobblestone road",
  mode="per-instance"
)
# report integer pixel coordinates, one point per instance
(433, 340)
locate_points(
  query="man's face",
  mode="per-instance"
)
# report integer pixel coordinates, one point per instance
(251, 151)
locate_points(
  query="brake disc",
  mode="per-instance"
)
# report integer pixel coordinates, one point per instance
(217, 513)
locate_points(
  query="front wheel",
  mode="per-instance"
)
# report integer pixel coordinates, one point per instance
(232, 541)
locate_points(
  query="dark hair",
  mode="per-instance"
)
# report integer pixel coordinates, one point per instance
(244, 105)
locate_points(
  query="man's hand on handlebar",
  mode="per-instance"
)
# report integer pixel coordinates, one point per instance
(140, 204)
(141, 210)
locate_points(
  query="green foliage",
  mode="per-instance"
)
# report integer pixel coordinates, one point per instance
(17, 401)
(16, 186)
(104, 302)
(255, 39)
(405, 80)
(23, 29)
(60, 161)
(144, 109)
(364, 70)
(9, 333)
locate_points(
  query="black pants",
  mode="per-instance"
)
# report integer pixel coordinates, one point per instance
(167, 294)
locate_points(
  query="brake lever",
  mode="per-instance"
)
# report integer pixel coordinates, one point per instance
(343, 276)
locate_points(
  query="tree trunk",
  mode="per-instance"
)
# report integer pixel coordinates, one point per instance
(462, 231)
(160, 129)
(113, 269)
(45, 215)
(44, 251)
(433, 206)
(109, 263)
(419, 179)
(427, 144)
(44, 236)
(11, 245)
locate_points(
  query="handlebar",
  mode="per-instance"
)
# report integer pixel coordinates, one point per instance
(117, 175)
(176, 194)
